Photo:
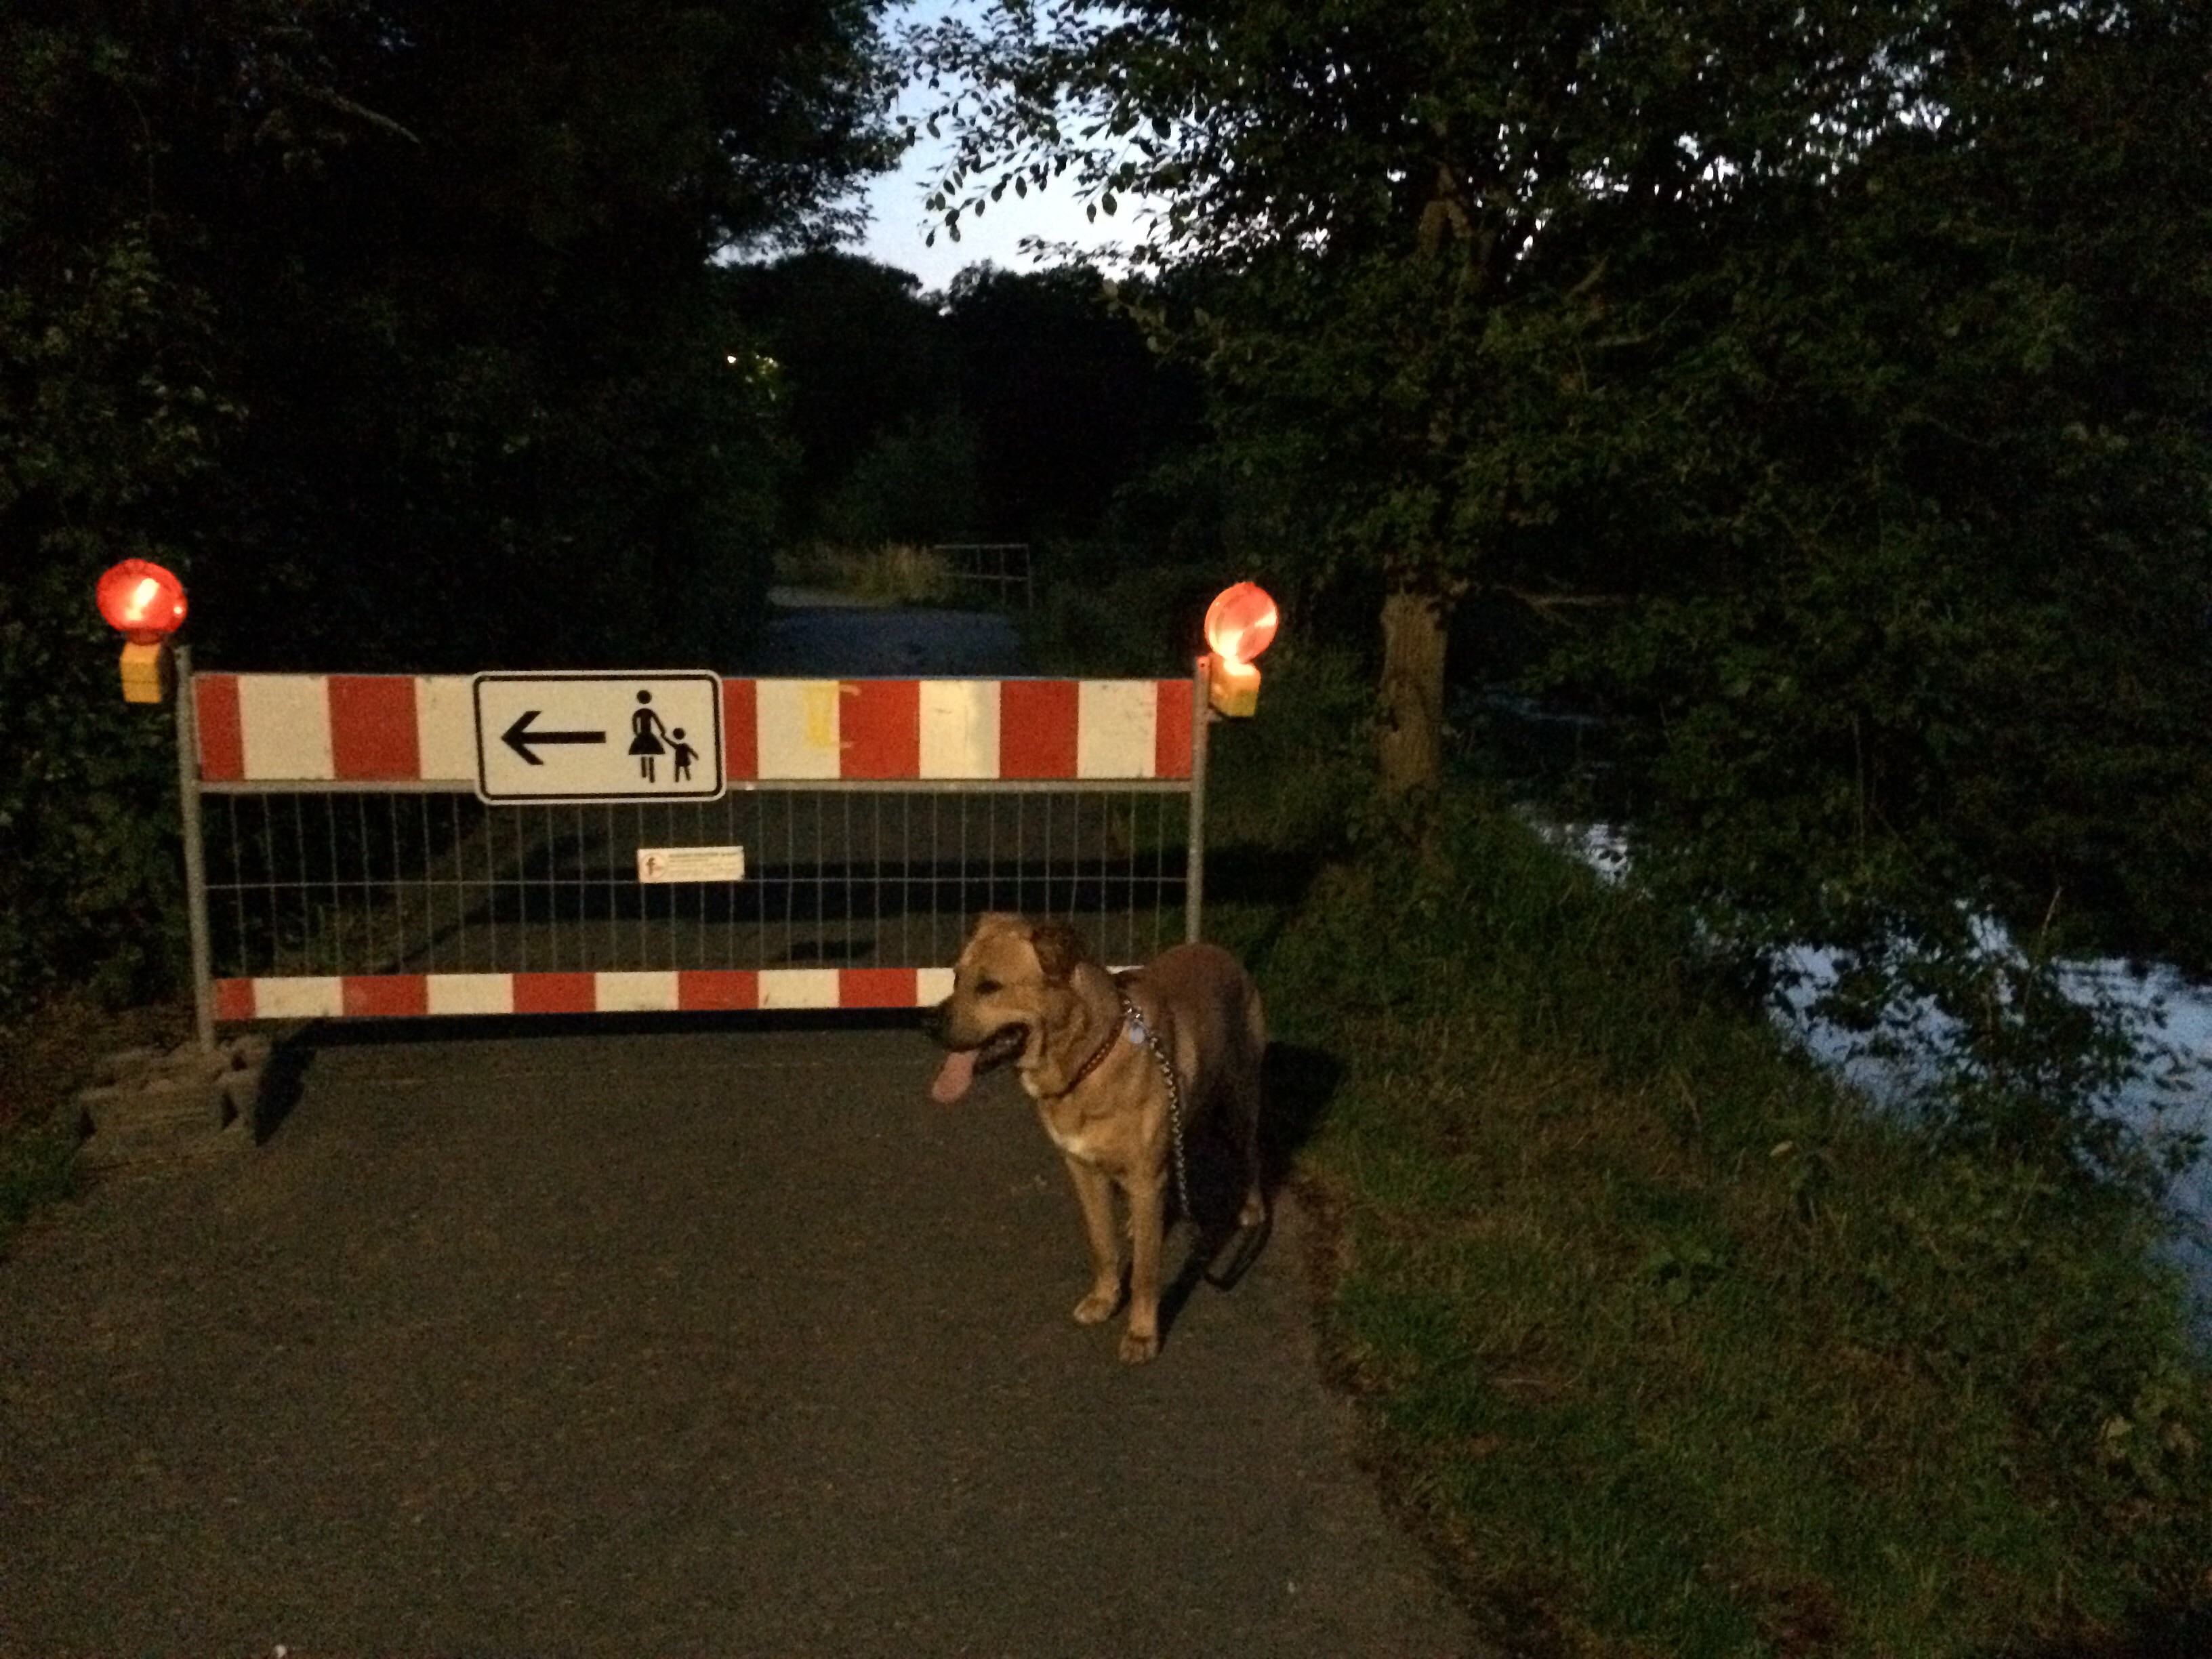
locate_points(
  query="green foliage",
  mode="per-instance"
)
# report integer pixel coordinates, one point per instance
(1667, 1342)
(1011, 407)
(90, 887)
(504, 408)
(1070, 402)
(1846, 371)
(916, 483)
(859, 357)
(1104, 610)
(1917, 640)
(108, 424)
(1391, 197)
(392, 328)
(1408, 236)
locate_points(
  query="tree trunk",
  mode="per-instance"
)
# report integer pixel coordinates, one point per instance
(1415, 627)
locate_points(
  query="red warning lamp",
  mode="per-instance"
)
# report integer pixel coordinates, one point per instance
(1240, 624)
(144, 604)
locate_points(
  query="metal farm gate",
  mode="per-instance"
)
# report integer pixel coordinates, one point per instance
(350, 850)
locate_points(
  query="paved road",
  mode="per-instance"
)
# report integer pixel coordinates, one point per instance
(670, 1341)
(809, 637)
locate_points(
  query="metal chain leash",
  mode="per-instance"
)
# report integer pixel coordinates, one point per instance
(1140, 1032)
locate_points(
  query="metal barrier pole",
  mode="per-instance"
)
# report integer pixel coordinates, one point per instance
(196, 898)
(1194, 879)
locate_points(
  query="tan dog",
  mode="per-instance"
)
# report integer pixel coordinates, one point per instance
(1089, 1048)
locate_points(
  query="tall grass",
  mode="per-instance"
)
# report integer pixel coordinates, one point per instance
(1670, 1344)
(893, 572)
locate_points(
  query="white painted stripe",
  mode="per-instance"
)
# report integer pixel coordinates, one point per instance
(284, 725)
(446, 726)
(960, 729)
(652, 992)
(799, 987)
(798, 730)
(1114, 729)
(298, 998)
(470, 993)
(931, 985)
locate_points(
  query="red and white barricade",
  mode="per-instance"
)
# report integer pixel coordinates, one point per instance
(348, 860)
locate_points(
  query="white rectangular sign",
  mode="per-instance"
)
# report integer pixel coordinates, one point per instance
(665, 864)
(650, 735)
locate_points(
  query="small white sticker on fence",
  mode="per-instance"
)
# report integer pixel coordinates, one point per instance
(657, 864)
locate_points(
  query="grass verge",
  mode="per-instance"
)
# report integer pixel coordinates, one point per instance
(1669, 1344)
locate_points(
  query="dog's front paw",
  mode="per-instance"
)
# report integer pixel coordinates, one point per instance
(1136, 1350)
(1098, 1307)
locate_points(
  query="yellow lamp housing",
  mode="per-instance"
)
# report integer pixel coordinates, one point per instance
(1231, 687)
(149, 671)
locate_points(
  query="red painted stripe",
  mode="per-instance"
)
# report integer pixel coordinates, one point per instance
(223, 736)
(556, 993)
(703, 989)
(1171, 730)
(395, 996)
(373, 730)
(233, 999)
(1036, 729)
(877, 987)
(740, 730)
(881, 726)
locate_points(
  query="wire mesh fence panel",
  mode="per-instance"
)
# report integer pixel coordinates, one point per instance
(353, 849)
(321, 884)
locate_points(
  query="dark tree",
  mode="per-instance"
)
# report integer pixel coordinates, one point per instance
(1836, 379)
(860, 356)
(393, 325)
(1070, 402)
(1014, 406)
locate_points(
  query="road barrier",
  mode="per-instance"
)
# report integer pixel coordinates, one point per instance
(1002, 575)
(350, 853)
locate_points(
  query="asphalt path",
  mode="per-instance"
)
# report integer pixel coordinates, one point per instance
(643, 1337)
(659, 1341)
(812, 634)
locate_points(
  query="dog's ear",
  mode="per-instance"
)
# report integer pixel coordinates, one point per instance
(1059, 947)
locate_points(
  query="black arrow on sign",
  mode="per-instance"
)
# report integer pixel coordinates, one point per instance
(519, 736)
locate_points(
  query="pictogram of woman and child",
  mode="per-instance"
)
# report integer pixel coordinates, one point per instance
(649, 739)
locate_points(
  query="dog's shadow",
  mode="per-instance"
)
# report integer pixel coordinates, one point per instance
(1299, 1083)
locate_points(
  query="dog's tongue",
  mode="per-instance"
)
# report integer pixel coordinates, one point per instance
(952, 1082)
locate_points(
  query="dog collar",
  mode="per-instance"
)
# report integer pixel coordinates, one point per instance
(1098, 1057)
